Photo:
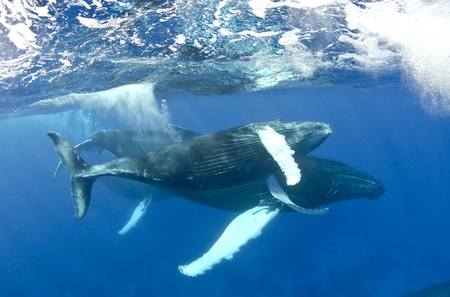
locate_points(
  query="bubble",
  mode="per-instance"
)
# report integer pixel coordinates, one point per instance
(134, 105)
(413, 32)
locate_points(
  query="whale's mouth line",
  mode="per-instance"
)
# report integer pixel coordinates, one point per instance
(370, 189)
(364, 180)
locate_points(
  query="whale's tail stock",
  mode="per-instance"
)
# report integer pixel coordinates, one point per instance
(80, 182)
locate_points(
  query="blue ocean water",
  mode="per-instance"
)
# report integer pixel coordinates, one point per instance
(387, 106)
(386, 247)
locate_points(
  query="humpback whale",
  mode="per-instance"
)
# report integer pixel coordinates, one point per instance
(216, 161)
(322, 182)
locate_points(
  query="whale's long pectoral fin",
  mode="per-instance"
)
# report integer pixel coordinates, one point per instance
(243, 228)
(278, 193)
(57, 170)
(80, 186)
(80, 147)
(281, 152)
(137, 214)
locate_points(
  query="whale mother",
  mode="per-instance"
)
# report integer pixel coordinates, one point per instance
(215, 161)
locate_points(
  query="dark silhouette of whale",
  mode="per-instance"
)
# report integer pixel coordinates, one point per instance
(217, 161)
(323, 182)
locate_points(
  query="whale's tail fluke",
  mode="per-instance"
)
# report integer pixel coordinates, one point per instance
(79, 147)
(81, 186)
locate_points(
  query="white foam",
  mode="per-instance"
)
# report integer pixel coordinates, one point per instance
(259, 7)
(386, 35)
(137, 214)
(414, 32)
(65, 62)
(225, 32)
(133, 104)
(217, 14)
(180, 39)
(22, 37)
(18, 17)
(245, 227)
(258, 34)
(281, 152)
(93, 23)
(289, 38)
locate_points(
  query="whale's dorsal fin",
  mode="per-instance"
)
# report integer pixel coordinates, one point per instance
(243, 228)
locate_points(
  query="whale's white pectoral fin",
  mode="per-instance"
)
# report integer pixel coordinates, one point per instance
(281, 152)
(57, 170)
(280, 194)
(137, 214)
(243, 228)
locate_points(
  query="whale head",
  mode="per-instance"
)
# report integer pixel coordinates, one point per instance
(352, 184)
(327, 181)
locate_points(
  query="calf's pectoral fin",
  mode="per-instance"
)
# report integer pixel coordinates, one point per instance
(278, 193)
(137, 214)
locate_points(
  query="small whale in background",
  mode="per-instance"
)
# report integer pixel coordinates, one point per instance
(439, 290)
(124, 143)
(322, 182)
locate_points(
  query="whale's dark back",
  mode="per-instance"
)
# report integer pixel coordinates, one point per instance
(228, 158)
